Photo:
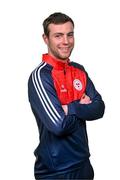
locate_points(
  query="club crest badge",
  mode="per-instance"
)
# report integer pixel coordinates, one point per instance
(77, 84)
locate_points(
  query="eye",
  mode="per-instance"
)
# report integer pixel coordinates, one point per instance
(70, 35)
(58, 35)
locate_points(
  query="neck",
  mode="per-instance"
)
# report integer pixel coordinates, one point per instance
(58, 59)
(56, 63)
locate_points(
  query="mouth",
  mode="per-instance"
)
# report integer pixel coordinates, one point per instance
(65, 49)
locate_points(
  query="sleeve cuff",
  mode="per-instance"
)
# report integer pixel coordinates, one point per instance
(72, 108)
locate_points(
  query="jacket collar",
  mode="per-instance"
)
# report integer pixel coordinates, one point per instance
(54, 62)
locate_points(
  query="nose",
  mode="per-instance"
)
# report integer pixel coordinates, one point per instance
(65, 40)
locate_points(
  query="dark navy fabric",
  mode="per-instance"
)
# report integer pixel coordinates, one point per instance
(84, 172)
(63, 138)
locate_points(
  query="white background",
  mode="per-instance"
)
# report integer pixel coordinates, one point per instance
(97, 34)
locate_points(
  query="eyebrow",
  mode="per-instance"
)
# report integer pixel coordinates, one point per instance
(59, 33)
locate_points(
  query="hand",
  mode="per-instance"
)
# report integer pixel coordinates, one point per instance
(65, 108)
(85, 99)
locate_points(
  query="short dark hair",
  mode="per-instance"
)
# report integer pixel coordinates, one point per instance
(55, 18)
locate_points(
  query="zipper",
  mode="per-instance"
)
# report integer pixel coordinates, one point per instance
(64, 71)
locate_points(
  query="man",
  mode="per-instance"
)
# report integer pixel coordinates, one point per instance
(62, 98)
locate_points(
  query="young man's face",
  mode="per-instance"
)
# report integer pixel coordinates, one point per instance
(60, 41)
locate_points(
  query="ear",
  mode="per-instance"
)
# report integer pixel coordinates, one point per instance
(45, 38)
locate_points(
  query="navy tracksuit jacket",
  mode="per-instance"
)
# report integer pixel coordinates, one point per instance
(63, 138)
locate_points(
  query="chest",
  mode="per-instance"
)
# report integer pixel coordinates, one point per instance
(70, 84)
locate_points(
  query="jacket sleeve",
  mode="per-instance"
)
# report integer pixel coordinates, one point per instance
(46, 105)
(92, 111)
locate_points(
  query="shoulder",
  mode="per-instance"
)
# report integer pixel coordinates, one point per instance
(42, 74)
(43, 69)
(77, 65)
